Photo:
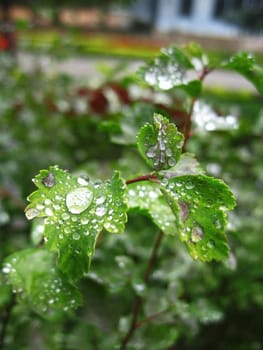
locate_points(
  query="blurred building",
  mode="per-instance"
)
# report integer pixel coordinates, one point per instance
(207, 17)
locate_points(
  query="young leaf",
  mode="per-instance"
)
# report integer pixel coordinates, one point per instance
(168, 70)
(148, 199)
(245, 64)
(160, 144)
(202, 201)
(75, 212)
(34, 279)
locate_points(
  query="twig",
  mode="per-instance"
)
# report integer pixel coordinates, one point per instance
(152, 317)
(188, 121)
(139, 300)
(5, 320)
(147, 177)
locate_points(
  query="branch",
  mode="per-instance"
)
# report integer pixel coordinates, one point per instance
(147, 177)
(139, 300)
(5, 320)
(152, 317)
(188, 123)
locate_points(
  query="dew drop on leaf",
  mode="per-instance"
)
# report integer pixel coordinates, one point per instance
(197, 233)
(100, 211)
(84, 221)
(76, 236)
(82, 181)
(49, 180)
(79, 199)
(31, 213)
(100, 200)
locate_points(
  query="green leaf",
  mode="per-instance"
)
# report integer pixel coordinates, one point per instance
(160, 144)
(202, 201)
(167, 70)
(186, 165)
(245, 64)
(148, 199)
(35, 280)
(75, 212)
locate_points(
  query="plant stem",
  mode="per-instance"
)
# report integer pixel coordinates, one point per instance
(5, 320)
(147, 177)
(139, 300)
(188, 121)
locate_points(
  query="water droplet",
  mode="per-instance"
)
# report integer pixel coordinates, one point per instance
(65, 216)
(161, 145)
(100, 211)
(164, 182)
(60, 236)
(171, 161)
(100, 200)
(151, 152)
(76, 236)
(86, 233)
(31, 213)
(169, 152)
(153, 195)
(48, 212)
(6, 268)
(197, 233)
(84, 221)
(189, 186)
(79, 199)
(47, 201)
(83, 181)
(49, 180)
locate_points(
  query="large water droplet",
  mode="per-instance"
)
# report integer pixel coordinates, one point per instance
(79, 199)
(31, 213)
(49, 180)
(197, 233)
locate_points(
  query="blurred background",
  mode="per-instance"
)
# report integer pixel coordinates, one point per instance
(69, 95)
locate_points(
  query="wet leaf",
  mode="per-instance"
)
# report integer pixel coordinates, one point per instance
(36, 280)
(202, 202)
(148, 199)
(75, 212)
(187, 165)
(168, 70)
(245, 64)
(160, 144)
